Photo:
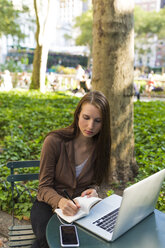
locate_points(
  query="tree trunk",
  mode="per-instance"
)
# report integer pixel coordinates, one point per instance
(35, 83)
(45, 19)
(113, 63)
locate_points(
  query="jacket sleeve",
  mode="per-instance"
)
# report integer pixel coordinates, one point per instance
(49, 157)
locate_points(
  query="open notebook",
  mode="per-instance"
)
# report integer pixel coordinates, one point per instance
(85, 202)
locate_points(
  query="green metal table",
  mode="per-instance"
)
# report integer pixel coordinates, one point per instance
(148, 233)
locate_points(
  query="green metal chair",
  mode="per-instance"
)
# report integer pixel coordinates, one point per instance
(21, 235)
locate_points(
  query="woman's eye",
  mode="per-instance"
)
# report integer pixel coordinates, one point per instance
(86, 117)
(98, 120)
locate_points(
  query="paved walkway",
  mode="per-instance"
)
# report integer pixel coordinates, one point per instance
(144, 98)
(5, 222)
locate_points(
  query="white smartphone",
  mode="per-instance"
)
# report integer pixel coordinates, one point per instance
(69, 236)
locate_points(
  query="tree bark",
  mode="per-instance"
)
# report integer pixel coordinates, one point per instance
(113, 63)
(45, 19)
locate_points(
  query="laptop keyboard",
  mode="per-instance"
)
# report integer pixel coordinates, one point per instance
(107, 222)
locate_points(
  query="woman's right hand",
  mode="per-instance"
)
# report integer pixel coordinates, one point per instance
(68, 207)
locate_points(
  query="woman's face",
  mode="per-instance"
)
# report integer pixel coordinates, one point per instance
(90, 120)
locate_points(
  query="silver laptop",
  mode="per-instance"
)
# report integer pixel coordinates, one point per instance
(115, 215)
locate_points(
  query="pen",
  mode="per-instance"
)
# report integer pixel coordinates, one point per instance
(68, 196)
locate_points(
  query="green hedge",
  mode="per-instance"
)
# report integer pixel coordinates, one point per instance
(149, 128)
(26, 117)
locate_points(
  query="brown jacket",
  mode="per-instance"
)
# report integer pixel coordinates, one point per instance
(57, 171)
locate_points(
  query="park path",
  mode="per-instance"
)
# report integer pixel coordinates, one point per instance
(147, 99)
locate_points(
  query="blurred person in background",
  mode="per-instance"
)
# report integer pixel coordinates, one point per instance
(6, 81)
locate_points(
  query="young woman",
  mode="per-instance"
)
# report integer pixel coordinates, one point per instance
(75, 158)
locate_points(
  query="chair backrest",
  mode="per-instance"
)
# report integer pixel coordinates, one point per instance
(22, 176)
(16, 176)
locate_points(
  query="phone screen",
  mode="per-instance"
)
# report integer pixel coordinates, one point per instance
(69, 235)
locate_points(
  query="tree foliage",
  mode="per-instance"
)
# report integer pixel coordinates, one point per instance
(146, 24)
(149, 26)
(84, 23)
(149, 23)
(9, 19)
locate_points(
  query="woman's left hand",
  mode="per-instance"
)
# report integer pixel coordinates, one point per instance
(89, 193)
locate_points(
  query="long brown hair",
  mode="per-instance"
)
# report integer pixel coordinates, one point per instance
(102, 139)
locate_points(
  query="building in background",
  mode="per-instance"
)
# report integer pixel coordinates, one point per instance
(27, 24)
(149, 5)
(63, 33)
(162, 3)
(3, 49)
(154, 50)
